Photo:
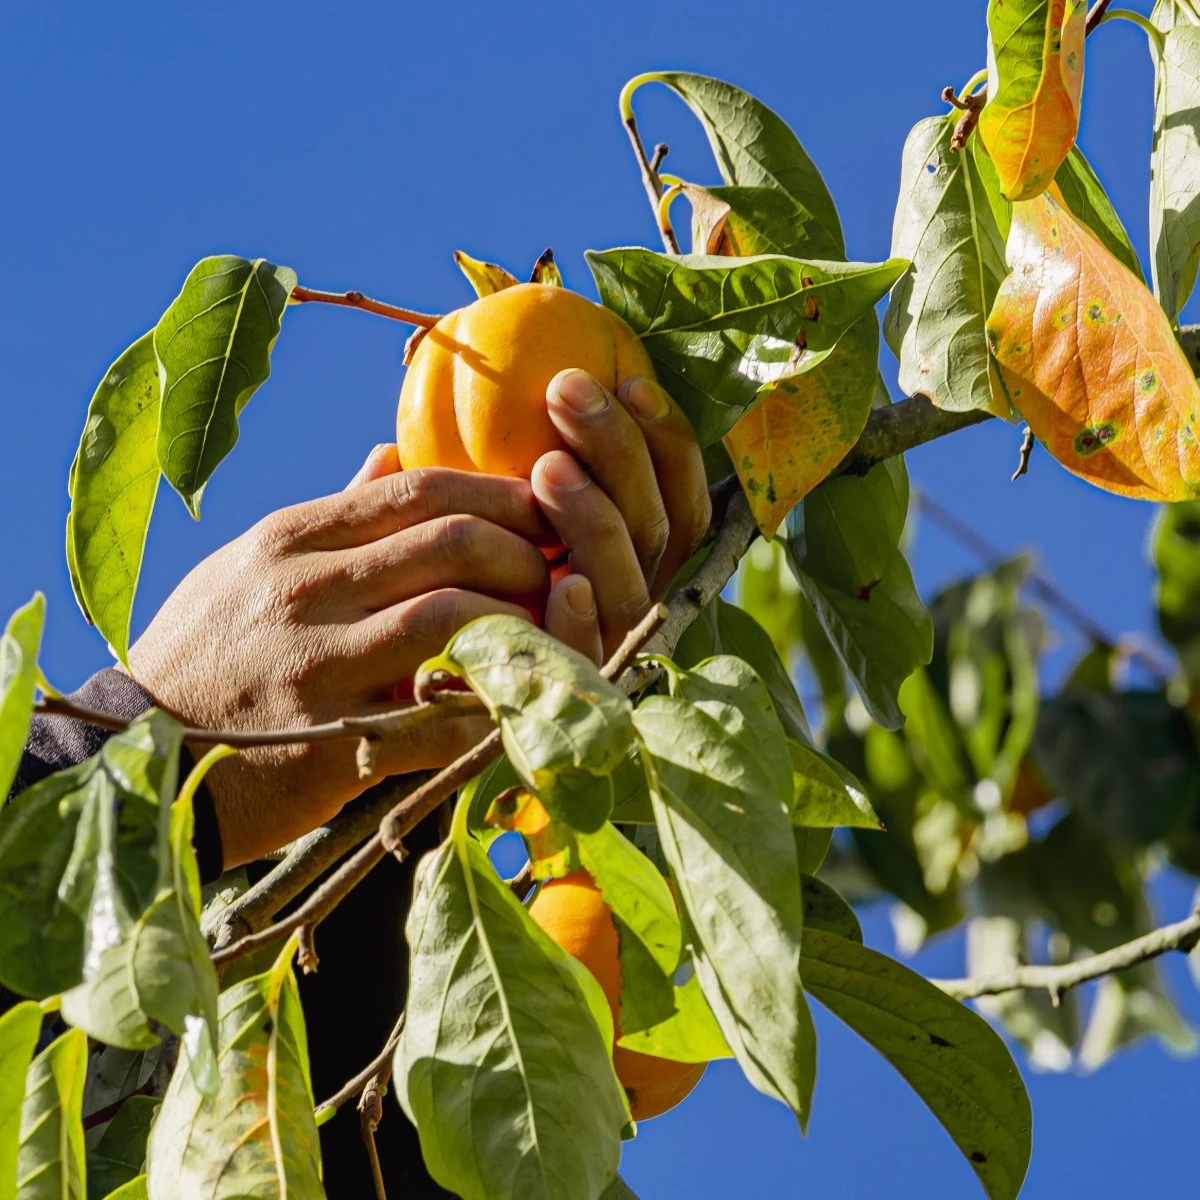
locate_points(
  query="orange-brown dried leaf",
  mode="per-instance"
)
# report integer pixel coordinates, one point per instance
(1035, 84)
(804, 426)
(1089, 360)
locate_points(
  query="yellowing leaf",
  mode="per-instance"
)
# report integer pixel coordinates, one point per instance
(1089, 360)
(1035, 80)
(484, 277)
(804, 426)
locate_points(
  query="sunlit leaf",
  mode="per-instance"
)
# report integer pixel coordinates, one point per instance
(19, 1030)
(113, 482)
(755, 147)
(935, 319)
(120, 1154)
(214, 349)
(826, 795)
(19, 646)
(1035, 81)
(721, 784)
(724, 628)
(1175, 160)
(485, 277)
(949, 1056)
(1085, 196)
(52, 1163)
(743, 221)
(84, 853)
(135, 1189)
(691, 1034)
(719, 328)
(565, 727)
(257, 1135)
(843, 546)
(1090, 361)
(502, 1067)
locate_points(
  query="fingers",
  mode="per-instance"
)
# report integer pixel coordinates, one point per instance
(679, 468)
(607, 440)
(386, 503)
(594, 531)
(390, 645)
(572, 617)
(447, 552)
(383, 460)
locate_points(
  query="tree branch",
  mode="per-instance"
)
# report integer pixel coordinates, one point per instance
(303, 295)
(900, 427)
(409, 719)
(407, 814)
(1183, 936)
(1096, 15)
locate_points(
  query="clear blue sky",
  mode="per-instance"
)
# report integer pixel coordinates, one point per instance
(362, 143)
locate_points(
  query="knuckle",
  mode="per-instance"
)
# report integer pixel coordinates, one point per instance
(652, 537)
(278, 532)
(420, 492)
(457, 538)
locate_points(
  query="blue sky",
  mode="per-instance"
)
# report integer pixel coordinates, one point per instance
(361, 144)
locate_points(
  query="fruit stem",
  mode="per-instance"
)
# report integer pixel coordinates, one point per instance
(301, 295)
(664, 211)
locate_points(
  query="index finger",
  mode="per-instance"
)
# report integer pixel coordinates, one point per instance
(380, 507)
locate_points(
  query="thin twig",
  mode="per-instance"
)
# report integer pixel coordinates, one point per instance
(406, 815)
(1096, 15)
(897, 428)
(1026, 453)
(352, 1087)
(650, 181)
(406, 720)
(1183, 936)
(370, 1113)
(660, 152)
(522, 882)
(302, 295)
(962, 533)
(309, 857)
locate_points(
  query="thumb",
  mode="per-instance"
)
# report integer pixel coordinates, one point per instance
(383, 460)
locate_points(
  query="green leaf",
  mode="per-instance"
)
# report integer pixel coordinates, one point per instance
(160, 972)
(742, 221)
(768, 591)
(647, 923)
(1175, 161)
(502, 1067)
(691, 1034)
(812, 847)
(257, 1135)
(724, 628)
(935, 318)
(83, 854)
(619, 1190)
(825, 910)
(721, 785)
(114, 1074)
(135, 1189)
(1085, 196)
(826, 795)
(754, 147)
(719, 328)
(214, 350)
(19, 1030)
(565, 727)
(1126, 761)
(843, 546)
(113, 482)
(1175, 549)
(52, 1161)
(18, 681)
(949, 1056)
(120, 1154)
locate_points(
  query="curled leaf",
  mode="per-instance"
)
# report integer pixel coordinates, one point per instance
(1035, 82)
(485, 277)
(1090, 361)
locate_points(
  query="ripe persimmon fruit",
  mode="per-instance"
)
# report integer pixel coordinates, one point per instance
(474, 397)
(572, 911)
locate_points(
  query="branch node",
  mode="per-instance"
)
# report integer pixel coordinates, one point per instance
(306, 951)
(426, 685)
(661, 150)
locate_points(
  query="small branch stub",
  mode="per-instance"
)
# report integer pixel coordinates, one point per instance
(1026, 452)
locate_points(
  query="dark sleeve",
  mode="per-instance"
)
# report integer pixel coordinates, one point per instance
(55, 743)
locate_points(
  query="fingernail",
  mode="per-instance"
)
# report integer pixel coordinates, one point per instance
(563, 473)
(581, 393)
(579, 597)
(648, 398)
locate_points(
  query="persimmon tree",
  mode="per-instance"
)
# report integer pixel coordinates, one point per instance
(168, 1021)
